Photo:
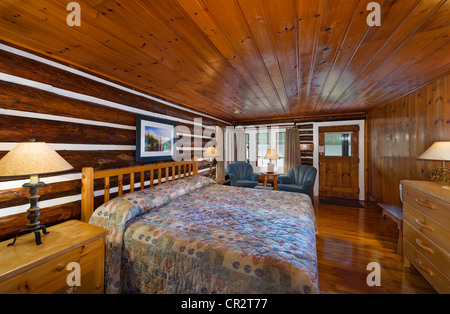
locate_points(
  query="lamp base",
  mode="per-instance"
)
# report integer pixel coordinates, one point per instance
(440, 175)
(37, 234)
(33, 214)
(211, 171)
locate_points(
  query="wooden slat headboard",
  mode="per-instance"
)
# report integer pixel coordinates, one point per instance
(172, 171)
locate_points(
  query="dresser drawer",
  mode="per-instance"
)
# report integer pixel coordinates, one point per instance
(435, 254)
(427, 204)
(426, 268)
(51, 275)
(91, 280)
(427, 226)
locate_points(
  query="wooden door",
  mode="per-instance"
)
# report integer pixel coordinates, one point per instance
(339, 161)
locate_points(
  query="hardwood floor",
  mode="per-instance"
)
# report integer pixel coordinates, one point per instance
(348, 240)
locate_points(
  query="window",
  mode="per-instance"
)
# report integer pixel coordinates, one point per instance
(247, 147)
(338, 144)
(258, 141)
(262, 140)
(281, 139)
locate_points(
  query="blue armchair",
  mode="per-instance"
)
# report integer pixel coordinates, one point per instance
(241, 174)
(299, 179)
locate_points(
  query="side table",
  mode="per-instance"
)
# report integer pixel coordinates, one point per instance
(270, 177)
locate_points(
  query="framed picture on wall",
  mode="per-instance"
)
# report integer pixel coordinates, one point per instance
(155, 139)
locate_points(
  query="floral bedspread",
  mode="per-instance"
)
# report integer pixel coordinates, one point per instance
(195, 236)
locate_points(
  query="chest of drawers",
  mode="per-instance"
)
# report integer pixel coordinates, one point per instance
(45, 269)
(426, 234)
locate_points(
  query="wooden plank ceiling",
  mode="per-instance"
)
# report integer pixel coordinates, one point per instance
(245, 59)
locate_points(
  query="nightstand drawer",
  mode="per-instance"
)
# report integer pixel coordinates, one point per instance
(51, 276)
(425, 203)
(91, 280)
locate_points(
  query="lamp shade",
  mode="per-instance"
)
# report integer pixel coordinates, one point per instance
(30, 159)
(437, 151)
(211, 152)
(271, 154)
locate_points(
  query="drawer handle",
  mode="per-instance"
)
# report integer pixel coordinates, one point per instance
(60, 267)
(425, 204)
(420, 264)
(423, 247)
(423, 225)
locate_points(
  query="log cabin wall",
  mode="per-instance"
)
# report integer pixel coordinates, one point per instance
(401, 131)
(93, 125)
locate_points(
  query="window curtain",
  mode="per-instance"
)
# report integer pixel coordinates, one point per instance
(292, 155)
(220, 165)
(240, 145)
(230, 151)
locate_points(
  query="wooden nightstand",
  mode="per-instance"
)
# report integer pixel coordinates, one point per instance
(28, 268)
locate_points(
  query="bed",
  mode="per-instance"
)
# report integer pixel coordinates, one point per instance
(191, 235)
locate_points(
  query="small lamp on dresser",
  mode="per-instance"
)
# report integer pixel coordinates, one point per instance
(439, 151)
(32, 159)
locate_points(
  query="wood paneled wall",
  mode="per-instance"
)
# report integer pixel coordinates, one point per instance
(92, 125)
(401, 131)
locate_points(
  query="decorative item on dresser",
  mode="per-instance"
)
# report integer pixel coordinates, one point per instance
(32, 159)
(426, 234)
(44, 269)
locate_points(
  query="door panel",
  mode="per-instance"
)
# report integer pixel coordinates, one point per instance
(338, 161)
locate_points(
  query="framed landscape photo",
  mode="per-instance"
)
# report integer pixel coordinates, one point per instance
(155, 139)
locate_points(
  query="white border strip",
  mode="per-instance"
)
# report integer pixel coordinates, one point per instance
(75, 147)
(7, 185)
(264, 125)
(97, 79)
(65, 93)
(43, 116)
(78, 96)
(43, 204)
(69, 199)
(6, 147)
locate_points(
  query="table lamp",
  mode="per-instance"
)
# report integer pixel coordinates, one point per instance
(211, 153)
(271, 155)
(32, 159)
(439, 151)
